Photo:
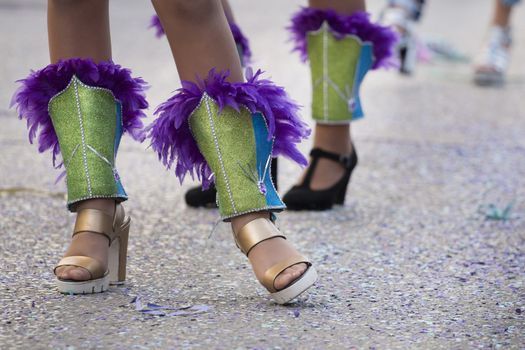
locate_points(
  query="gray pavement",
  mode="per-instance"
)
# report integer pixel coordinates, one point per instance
(412, 260)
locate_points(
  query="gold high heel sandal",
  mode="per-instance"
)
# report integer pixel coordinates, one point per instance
(260, 230)
(116, 230)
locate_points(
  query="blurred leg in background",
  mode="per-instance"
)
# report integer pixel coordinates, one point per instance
(493, 61)
(403, 15)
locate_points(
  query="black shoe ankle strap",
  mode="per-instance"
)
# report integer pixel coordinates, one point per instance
(346, 160)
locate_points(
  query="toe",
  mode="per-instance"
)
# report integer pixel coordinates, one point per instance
(73, 273)
(289, 275)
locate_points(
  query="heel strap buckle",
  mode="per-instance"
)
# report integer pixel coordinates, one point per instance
(346, 160)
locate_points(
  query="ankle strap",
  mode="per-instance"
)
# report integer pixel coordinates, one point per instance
(99, 222)
(255, 232)
(346, 160)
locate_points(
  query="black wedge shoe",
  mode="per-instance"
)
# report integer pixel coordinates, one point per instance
(301, 197)
(196, 197)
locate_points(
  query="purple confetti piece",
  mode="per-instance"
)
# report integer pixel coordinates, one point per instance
(154, 312)
(155, 306)
(161, 310)
(192, 310)
(138, 303)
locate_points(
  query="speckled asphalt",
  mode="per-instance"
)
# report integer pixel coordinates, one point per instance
(416, 258)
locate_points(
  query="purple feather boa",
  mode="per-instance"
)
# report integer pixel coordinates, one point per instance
(240, 40)
(32, 98)
(311, 19)
(171, 136)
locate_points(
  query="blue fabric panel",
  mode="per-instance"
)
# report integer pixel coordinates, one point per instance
(118, 135)
(366, 60)
(263, 151)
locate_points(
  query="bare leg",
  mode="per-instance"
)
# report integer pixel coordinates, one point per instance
(493, 60)
(333, 138)
(502, 14)
(200, 39)
(80, 28)
(345, 7)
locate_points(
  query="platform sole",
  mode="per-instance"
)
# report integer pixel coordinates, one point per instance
(83, 287)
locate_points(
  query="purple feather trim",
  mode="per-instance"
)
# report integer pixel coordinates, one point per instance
(32, 98)
(170, 133)
(155, 23)
(311, 19)
(240, 40)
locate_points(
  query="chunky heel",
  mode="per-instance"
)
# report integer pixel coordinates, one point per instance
(118, 253)
(341, 195)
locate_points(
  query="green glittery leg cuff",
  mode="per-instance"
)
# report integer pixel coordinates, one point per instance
(338, 67)
(236, 147)
(88, 123)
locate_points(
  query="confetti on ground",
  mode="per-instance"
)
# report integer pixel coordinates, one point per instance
(163, 310)
(493, 212)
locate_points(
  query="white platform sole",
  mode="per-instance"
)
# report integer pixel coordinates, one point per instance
(297, 288)
(84, 287)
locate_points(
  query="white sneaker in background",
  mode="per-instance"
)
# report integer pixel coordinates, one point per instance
(493, 61)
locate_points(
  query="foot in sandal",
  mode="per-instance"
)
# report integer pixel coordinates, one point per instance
(82, 108)
(278, 266)
(97, 255)
(236, 128)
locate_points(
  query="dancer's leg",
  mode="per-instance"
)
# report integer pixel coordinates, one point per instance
(200, 40)
(403, 15)
(196, 196)
(342, 44)
(502, 13)
(80, 28)
(332, 138)
(78, 107)
(493, 61)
